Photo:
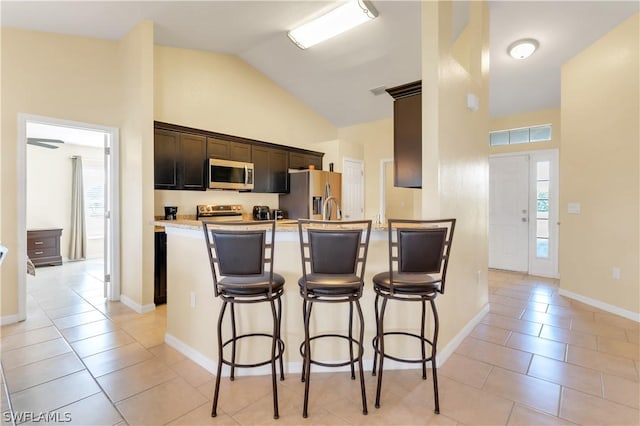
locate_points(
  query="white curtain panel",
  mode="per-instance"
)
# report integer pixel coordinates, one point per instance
(78, 234)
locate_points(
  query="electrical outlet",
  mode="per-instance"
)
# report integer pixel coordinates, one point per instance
(193, 299)
(616, 273)
(479, 276)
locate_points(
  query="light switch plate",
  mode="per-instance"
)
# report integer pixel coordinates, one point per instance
(573, 208)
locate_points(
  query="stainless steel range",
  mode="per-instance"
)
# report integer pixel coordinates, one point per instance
(232, 212)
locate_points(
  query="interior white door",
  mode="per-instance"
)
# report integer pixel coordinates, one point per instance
(509, 213)
(352, 189)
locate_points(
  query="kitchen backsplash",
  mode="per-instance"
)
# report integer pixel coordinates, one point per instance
(186, 201)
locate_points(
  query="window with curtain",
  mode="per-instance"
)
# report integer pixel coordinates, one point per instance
(93, 178)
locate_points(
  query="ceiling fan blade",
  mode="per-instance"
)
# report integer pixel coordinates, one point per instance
(45, 140)
(45, 143)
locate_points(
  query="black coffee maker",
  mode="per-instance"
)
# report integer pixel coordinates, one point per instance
(170, 213)
(261, 213)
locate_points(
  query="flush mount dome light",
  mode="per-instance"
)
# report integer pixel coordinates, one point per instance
(522, 49)
(341, 19)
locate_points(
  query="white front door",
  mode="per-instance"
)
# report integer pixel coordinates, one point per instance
(352, 189)
(509, 213)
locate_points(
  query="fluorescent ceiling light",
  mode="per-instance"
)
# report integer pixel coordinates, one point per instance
(339, 20)
(522, 49)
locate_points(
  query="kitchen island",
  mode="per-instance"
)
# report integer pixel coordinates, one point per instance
(192, 309)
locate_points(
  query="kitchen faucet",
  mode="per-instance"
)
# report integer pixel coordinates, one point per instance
(326, 211)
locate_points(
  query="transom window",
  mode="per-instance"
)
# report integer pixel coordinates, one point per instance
(521, 135)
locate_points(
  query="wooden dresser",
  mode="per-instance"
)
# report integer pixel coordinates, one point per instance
(43, 246)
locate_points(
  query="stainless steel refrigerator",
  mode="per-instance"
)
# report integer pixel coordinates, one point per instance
(308, 190)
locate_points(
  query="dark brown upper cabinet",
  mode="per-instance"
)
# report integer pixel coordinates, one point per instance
(179, 160)
(407, 134)
(228, 150)
(271, 167)
(298, 161)
(193, 156)
(181, 154)
(166, 147)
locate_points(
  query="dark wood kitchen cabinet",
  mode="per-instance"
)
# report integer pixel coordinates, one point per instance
(179, 160)
(228, 150)
(181, 154)
(160, 272)
(298, 160)
(271, 167)
(43, 246)
(407, 134)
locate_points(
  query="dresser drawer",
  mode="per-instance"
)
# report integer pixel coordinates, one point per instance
(43, 252)
(41, 242)
(43, 246)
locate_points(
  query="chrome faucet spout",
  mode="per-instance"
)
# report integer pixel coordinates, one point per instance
(326, 211)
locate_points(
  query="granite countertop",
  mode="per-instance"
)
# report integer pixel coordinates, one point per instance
(286, 225)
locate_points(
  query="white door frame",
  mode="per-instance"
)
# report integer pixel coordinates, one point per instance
(383, 193)
(536, 266)
(114, 293)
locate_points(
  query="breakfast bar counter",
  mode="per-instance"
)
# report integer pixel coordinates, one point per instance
(192, 309)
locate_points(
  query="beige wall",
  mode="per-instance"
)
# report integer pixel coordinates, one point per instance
(599, 166)
(186, 201)
(49, 193)
(224, 94)
(136, 54)
(73, 78)
(536, 118)
(455, 155)
(371, 142)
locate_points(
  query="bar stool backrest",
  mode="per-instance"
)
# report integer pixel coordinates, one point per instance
(240, 250)
(331, 247)
(420, 247)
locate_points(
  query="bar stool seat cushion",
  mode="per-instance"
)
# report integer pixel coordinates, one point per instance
(406, 283)
(331, 284)
(250, 286)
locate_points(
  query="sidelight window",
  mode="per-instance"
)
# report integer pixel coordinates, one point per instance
(542, 209)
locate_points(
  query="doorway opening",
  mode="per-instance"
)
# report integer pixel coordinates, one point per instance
(396, 202)
(68, 182)
(523, 212)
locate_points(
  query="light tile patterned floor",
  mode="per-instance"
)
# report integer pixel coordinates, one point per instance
(536, 358)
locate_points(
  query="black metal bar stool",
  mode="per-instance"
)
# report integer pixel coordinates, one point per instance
(241, 257)
(418, 258)
(334, 255)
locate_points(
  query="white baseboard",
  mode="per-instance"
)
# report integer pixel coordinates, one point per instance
(633, 316)
(451, 347)
(9, 319)
(141, 309)
(210, 364)
(198, 357)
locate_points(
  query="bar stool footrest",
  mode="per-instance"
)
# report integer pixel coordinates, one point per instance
(355, 358)
(402, 333)
(279, 351)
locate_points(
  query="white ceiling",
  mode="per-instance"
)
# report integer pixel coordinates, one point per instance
(334, 78)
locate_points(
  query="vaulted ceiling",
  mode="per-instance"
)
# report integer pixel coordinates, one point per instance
(335, 78)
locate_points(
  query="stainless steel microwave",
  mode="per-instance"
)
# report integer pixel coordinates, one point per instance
(225, 174)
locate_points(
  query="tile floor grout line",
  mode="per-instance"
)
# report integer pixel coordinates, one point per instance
(95, 380)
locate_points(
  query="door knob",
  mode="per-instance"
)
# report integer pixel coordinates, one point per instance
(524, 219)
